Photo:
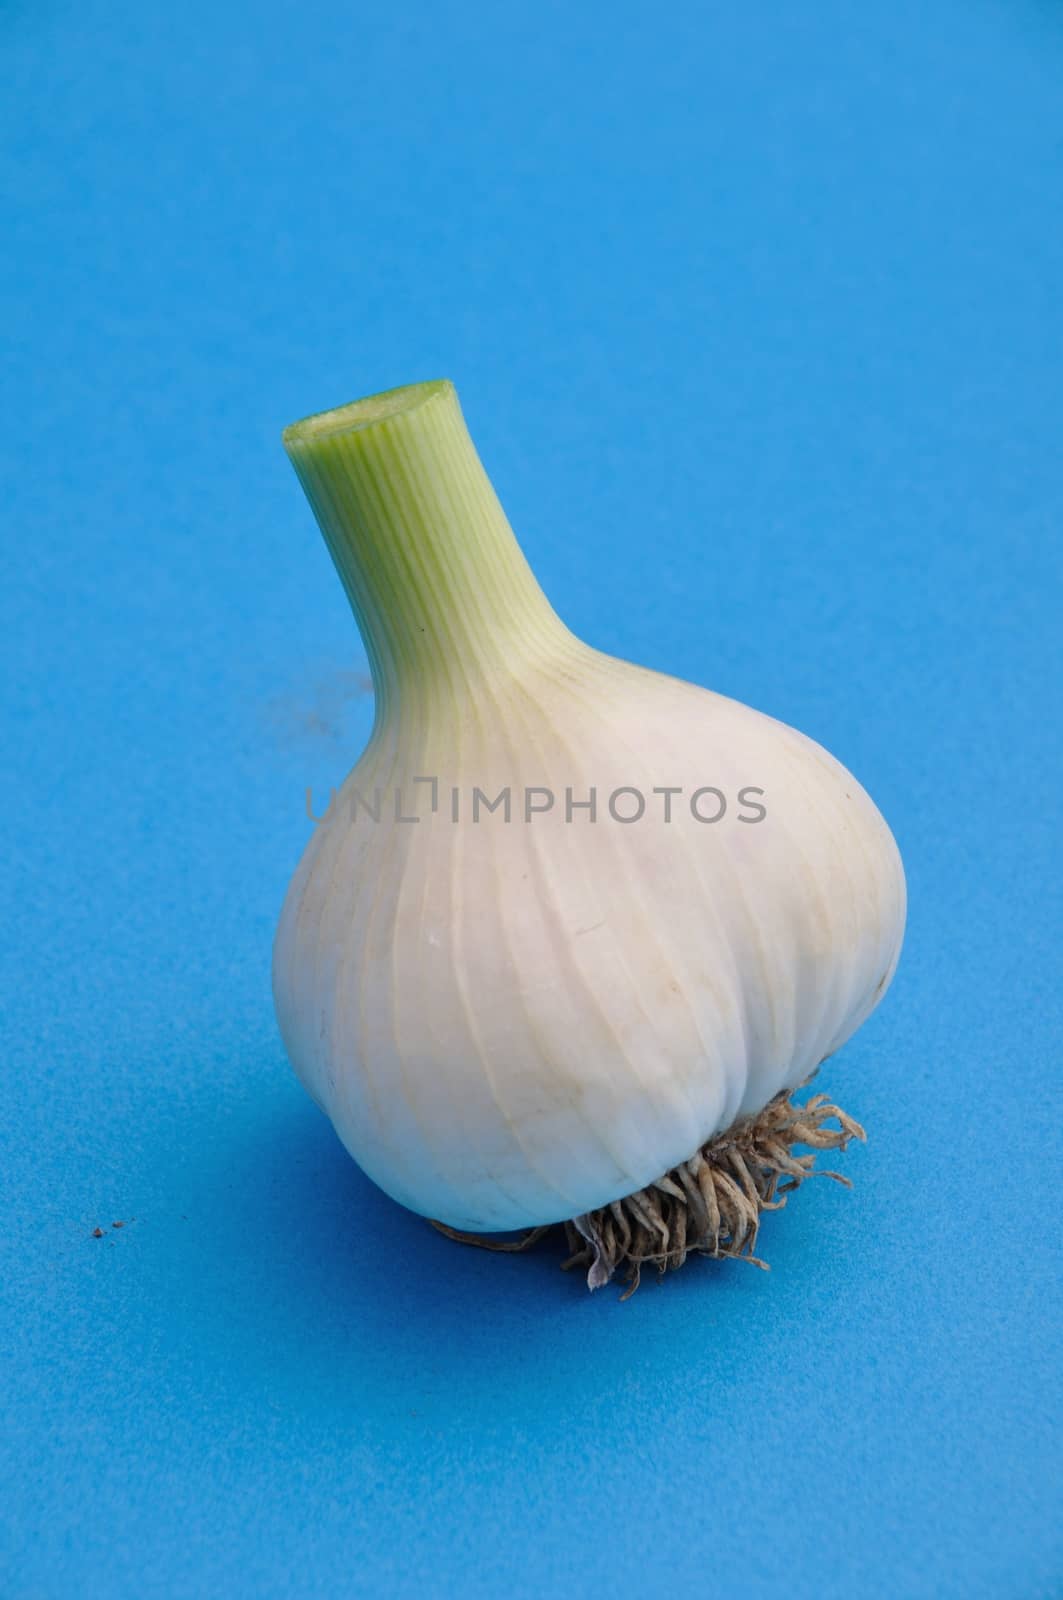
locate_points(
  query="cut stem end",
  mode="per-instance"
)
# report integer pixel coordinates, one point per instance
(362, 413)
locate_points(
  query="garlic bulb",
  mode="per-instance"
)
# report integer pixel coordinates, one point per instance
(568, 923)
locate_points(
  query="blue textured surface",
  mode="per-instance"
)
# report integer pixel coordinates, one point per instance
(755, 313)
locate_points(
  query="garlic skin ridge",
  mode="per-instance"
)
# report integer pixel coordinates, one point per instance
(512, 1024)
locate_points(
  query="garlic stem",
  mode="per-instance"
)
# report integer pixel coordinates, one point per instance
(437, 581)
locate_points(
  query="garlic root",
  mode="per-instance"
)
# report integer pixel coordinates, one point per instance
(710, 1205)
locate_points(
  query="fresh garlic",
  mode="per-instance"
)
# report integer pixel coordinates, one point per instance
(589, 1004)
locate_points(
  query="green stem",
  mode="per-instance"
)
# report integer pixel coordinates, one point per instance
(436, 579)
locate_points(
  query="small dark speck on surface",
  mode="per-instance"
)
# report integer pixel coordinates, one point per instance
(97, 1233)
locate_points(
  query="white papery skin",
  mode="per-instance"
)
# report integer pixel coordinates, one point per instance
(514, 1023)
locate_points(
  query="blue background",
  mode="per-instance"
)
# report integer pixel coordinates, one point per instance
(756, 316)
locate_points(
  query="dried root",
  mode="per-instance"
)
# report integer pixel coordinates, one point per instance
(710, 1205)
